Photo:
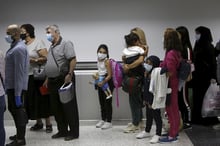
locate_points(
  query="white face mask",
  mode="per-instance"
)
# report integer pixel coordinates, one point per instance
(101, 56)
(148, 67)
(197, 36)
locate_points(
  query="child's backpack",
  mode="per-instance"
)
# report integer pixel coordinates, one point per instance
(117, 76)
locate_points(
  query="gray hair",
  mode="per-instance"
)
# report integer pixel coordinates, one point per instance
(54, 27)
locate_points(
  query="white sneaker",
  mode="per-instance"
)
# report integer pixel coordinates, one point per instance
(106, 125)
(143, 134)
(129, 124)
(131, 128)
(155, 139)
(100, 124)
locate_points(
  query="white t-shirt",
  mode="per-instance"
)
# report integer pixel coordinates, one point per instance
(33, 48)
(133, 51)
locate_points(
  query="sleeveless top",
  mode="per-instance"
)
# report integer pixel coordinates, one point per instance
(101, 67)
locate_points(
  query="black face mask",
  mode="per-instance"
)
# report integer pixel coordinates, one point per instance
(23, 36)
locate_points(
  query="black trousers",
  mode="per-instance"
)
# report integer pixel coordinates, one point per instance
(19, 114)
(153, 114)
(65, 114)
(184, 106)
(106, 105)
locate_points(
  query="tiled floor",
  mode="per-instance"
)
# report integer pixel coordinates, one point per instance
(91, 136)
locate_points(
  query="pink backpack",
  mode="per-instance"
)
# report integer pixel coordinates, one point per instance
(117, 76)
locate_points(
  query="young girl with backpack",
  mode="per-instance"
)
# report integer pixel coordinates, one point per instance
(104, 69)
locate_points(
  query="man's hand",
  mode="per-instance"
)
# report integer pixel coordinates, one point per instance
(68, 78)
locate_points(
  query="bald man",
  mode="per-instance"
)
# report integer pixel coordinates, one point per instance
(16, 81)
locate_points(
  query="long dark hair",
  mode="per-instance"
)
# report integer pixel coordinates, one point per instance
(105, 47)
(185, 40)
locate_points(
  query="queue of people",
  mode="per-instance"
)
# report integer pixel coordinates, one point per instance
(26, 102)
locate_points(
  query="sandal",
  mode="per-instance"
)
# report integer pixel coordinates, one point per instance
(49, 128)
(37, 127)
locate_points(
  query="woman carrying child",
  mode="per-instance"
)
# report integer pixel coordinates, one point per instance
(133, 57)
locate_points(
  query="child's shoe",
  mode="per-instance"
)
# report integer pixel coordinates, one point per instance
(143, 134)
(155, 139)
(100, 124)
(106, 125)
(168, 139)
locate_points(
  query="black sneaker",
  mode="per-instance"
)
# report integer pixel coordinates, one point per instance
(17, 143)
(58, 135)
(37, 127)
(70, 137)
(187, 126)
(13, 137)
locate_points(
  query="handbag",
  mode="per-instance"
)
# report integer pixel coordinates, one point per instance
(44, 90)
(39, 72)
(66, 92)
(131, 84)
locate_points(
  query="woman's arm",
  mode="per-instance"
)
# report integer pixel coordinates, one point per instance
(42, 57)
(136, 63)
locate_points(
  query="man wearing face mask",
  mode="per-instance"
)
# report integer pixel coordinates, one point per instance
(61, 62)
(16, 82)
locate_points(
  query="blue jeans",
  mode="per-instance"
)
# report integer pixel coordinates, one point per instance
(2, 128)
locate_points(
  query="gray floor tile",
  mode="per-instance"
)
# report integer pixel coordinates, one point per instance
(91, 136)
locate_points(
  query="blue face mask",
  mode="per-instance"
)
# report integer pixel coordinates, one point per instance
(8, 39)
(49, 37)
(148, 67)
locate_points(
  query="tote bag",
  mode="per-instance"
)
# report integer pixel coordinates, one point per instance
(211, 101)
(66, 92)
